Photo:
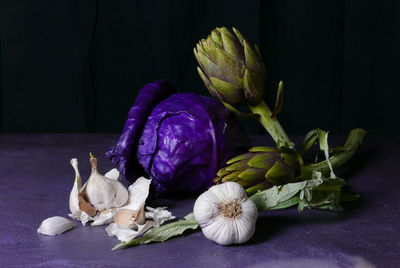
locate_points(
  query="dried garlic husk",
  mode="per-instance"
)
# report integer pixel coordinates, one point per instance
(138, 193)
(159, 215)
(225, 214)
(130, 219)
(113, 174)
(125, 234)
(132, 213)
(55, 225)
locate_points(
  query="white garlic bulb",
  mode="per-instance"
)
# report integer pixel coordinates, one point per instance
(225, 214)
(102, 192)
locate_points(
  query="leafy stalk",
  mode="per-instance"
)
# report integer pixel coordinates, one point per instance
(271, 124)
(351, 146)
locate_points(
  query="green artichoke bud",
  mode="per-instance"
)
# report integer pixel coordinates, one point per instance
(230, 68)
(261, 168)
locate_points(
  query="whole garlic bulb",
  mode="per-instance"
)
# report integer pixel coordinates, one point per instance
(102, 192)
(225, 214)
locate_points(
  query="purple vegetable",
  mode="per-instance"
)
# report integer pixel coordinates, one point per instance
(180, 140)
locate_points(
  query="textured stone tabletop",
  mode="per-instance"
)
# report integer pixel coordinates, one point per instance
(36, 179)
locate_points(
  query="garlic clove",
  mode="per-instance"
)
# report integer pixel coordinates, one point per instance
(206, 207)
(138, 193)
(159, 215)
(103, 193)
(125, 234)
(126, 218)
(229, 191)
(130, 218)
(55, 225)
(73, 197)
(121, 194)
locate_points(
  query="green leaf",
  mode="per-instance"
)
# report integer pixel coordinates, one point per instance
(279, 196)
(322, 200)
(288, 203)
(278, 101)
(324, 196)
(163, 233)
(323, 144)
(238, 112)
(262, 149)
(309, 140)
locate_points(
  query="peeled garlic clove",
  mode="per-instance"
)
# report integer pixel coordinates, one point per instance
(55, 225)
(73, 197)
(121, 194)
(103, 193)
(130, 218)
(126, 218)
(225, 214)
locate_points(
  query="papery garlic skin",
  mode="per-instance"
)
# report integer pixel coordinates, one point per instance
(104, 193)
(55, 225)
(113, 174)
(225, 214)
(125, 234)
(159, 215)
(73, 197)
(138, 193)
(104, 217)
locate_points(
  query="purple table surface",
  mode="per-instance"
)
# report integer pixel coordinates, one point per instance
(36, 179)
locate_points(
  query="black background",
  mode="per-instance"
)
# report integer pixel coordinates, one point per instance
(76, 66)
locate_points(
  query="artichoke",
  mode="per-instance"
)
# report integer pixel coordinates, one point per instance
(230, 68)
(234, 72)
(262, 167)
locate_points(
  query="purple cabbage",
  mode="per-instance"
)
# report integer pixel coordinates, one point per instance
(180, 140)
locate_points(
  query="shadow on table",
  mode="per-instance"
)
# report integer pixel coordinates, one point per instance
(360, 160)
(269, 226)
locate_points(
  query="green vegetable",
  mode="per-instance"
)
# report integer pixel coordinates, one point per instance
(261, 168)
(234, 72)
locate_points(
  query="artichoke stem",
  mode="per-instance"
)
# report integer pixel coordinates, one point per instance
(351, 146)
(272, 125)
